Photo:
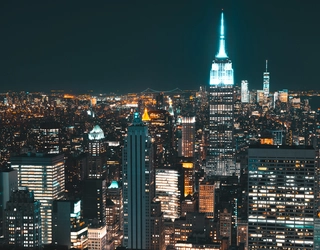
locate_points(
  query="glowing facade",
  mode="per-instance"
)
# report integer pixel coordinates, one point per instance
(282, 198)
(206, 198)
(168, 193)
(244, 91)
(188, 178)
(188, 136)
(44, 175)
(221, 151)
(138, 185)
(266, 83)
(96, 161)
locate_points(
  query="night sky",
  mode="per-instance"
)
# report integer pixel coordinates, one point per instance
(127, 46)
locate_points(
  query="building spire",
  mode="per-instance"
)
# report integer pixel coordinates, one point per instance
(222, 50)
(266, 65)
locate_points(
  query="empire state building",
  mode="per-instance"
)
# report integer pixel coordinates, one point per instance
(220, 159)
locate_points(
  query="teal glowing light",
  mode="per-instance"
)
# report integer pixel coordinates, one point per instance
(222, 50)
(96, 133)
(114, 184)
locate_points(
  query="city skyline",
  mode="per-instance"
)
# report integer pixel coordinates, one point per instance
(128, 47)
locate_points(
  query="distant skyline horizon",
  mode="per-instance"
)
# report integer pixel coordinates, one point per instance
(129, 46)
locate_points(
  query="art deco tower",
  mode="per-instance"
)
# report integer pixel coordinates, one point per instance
(221, 152)
(138, 185)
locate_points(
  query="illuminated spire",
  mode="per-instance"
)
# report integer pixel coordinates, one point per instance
(222, 46)
(266, 65)
(145, 116)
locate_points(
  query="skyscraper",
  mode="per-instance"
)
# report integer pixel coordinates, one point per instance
(221, 151)
(188, 137)
(244, 91)
(168, 191)
(23, 222)
(266, 82)
(94, 201)
(282, 202)
(96, 160)
(69, 228)
(44, 175)
(207, 198)
(8, 183)
(138, 185)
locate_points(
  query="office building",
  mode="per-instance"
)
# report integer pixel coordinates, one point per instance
(8, 183)
(188, 205)
(266, 83)
(49, 142)
(23, 220)
(96, 157)
(44, 175)
(94, 201)
(188, 128)
(220, 159)
(97, 238)
(283, 197)
(225, 225)
(160, 129)
(260, 96)
(207, 198)
(168, 191)
(138, 185)
(114, 193)
(244, 92)
(157, 227)
(283, 95)
(69, 228)
(188, 177)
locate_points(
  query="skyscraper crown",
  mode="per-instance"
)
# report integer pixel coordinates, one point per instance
(137, 119)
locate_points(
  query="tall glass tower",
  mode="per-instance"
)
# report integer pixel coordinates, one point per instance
(221, 151)
(266, 82)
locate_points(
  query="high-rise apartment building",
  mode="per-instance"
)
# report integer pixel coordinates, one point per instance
(138, 185)
(221, 151)
(23, 220)
(44, 175)
(282, 202)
